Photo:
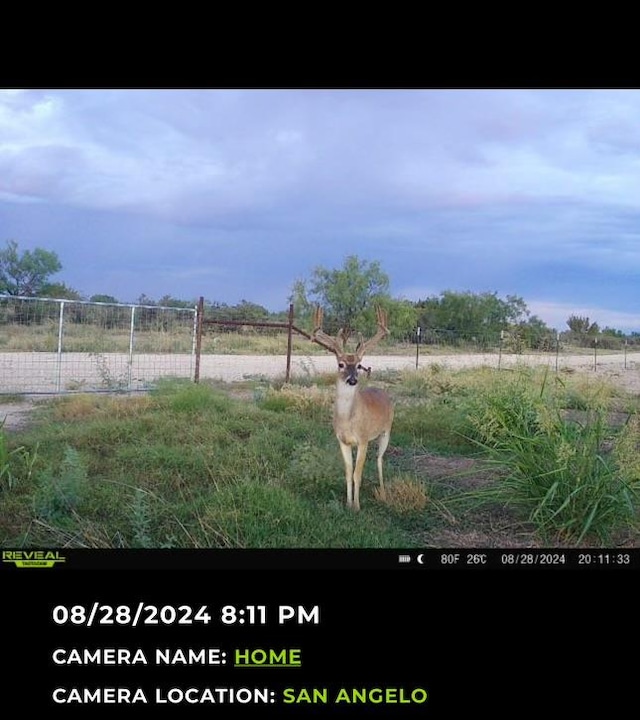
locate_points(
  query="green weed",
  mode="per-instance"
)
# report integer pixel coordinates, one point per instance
(15, 464)
(58, 496)
(557, 470)
(207, 466)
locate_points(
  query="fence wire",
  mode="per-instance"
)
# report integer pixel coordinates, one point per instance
(65, 346)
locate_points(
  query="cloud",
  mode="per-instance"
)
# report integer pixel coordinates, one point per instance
(527, 192)
(178, 152)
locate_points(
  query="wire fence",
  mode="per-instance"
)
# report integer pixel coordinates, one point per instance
(64, 346)
(67, 346)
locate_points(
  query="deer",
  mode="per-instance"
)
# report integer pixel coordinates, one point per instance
(360, 414)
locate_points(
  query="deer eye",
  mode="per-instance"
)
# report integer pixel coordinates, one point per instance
(341, 365)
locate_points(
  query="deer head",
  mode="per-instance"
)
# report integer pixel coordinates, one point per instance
(348, 363)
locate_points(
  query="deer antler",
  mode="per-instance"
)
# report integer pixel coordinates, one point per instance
(383, 330)
(334, 345)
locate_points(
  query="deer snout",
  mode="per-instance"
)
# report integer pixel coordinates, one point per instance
(350, 374)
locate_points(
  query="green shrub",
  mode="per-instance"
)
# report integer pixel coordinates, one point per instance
(558, 470)
(58, 496)
(15, 464)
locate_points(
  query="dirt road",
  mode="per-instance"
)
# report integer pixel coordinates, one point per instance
(37, 375)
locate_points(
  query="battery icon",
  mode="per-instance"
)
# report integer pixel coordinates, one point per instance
(404, 558)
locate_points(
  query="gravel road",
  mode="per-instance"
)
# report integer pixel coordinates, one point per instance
(42, 374)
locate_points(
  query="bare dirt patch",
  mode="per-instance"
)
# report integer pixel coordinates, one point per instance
(17, 415)
(459, 472)
(43, 372)
(489, 526)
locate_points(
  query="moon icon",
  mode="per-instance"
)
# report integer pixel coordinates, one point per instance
(419, 558)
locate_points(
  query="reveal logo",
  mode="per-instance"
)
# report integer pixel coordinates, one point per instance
(32, 558)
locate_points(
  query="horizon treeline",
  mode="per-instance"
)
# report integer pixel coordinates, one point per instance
(348, 296)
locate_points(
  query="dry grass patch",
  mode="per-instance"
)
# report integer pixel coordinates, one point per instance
(80, 407)
(404, 495)
(299, 397)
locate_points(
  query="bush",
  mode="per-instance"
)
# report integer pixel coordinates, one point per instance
(58, 497)
(560, 471)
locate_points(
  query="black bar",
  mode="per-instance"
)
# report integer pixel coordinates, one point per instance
(450, 560)
(461, 641)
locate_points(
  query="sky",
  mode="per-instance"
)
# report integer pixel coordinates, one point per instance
(234, 194)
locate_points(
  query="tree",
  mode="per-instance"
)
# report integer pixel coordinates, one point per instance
(581, 325)
(144, 299)
(301, 306)
(611, 339)
(59, 291)
(248, 311)
(27, 273)
(534, 334)
(582, 330)
(403, 319)
(471, 315)
(170, 301)
(102, 298)
(347, 294)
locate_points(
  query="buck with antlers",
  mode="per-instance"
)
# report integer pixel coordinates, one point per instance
(360, 415)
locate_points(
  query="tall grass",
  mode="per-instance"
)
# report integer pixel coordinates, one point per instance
(195, 466)
(16, 464)
(558, 468)
(189, 466)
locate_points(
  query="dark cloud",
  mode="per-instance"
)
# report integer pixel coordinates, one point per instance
(236, 193)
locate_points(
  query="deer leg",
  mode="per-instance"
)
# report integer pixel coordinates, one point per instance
(383, 443)
(347, 456)
(357, 475)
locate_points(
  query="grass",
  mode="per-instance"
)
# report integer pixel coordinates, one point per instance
(43, 337)
(257, 466)
(173, 333)
(16, 463)
(558, 469)
(187, 466)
